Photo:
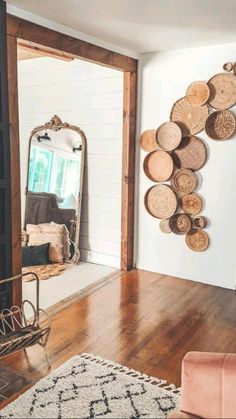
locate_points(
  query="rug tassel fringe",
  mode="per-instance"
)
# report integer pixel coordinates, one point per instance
(132, 373)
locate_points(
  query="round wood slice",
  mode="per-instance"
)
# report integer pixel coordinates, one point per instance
(198, 93)
(169, 136)
(191, 154)
(190, 118)
(222, 91)
(197, 240)
(158, 166)
(220, 125)
(191, 204)
(161, 201)
(200, 222)
(164, 226)
(148, 140)
(184, 181)
(180, 223)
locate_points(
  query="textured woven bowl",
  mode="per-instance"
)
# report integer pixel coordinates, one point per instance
(191, 204)
(184, 181)
(197, 240)
(190, 118)
(161, 201)
(169, 136)
(158, 166)
(220, 125)
(191, 154)
(148, 140)
(198, 93)
(180, 223)
(222, 91)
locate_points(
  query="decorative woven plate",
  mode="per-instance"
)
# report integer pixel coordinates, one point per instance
(228, 66)
(198, 93)
(200, 222)
(184, 181)
(190, 118)
(180, 223)
(220, 125)
(161, 201)
(169, 136)
(164, 226)
(158, 166)
(222, 91)
(191, 154)
(191, 204)
(197, 240)
(148, 140)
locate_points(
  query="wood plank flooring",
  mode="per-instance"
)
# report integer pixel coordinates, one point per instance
(143, 320)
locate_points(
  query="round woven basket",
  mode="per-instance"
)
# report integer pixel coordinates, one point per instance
(191, 154)
(200, 222)
(190, 118)
(222, 91)
(220, 125)
(191, 204)
(197, 240)
(180, 223)
(164, 226)
(184, 181)
(158, 166)
(169, 136)
(198, 93)
(161, 201)
(228, 66)
(148, 140)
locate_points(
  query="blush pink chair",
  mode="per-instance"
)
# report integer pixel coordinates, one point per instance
(208, 386)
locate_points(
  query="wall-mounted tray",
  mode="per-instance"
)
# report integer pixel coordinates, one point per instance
(180, 223)
(184, 181)
(191, 153)
(169, 136)
(148, 140)
(222, 91)
(220, 125)
(200, 222)
(190, 118)
(198, 93)
(191, 204)
(165, 226)
(197, 240)
(161, 201)
(158, 166)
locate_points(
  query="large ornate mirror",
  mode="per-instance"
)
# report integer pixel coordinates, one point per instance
(55, 177)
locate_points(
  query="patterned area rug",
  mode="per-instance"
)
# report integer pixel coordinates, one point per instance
(91, 387)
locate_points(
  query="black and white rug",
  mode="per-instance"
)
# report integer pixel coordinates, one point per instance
(91, 387)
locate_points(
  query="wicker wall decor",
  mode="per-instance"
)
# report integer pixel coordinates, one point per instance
(169, 136)
(148, 140)
(191, 154)
(179, 155)
(198, 93)
(220, 125)
(190, 118)
(161, 201)
(158, 166)
(222, 91)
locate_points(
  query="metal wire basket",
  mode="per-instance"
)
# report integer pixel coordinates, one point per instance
(16, 331)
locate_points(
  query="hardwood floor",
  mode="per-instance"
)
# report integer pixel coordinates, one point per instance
(143, 320)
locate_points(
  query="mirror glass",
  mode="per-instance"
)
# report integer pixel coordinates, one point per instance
(55, 176)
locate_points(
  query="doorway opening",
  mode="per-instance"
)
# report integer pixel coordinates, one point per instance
(88, 96)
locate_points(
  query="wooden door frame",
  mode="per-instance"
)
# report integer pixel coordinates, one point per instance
(36, 35)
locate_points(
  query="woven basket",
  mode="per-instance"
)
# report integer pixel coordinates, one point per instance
(222, 91)
(197, 240)
(158, 166)
(148, 140)
(161, 201)
(200, 222)
(180, 223)
(183, 181)
(169, 136)
(198, 93)
(220, 125)
(191, 204)
(190, 118)
(165, 226)
(191, 154)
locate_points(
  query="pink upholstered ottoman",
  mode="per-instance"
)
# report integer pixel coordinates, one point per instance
(208, 386)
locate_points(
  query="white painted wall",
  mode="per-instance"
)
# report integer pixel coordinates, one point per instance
(165, 77)
(90, 96)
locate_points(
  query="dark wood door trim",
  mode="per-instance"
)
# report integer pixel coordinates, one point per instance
(33, 34)
(51, 39)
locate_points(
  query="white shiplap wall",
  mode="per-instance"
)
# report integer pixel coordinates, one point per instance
(90, 96)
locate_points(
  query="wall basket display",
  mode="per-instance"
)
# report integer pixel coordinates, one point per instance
(176, 154)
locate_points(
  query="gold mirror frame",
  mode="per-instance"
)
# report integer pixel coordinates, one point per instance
(55, 124)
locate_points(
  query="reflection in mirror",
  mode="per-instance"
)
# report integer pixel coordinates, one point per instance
(55, 178)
